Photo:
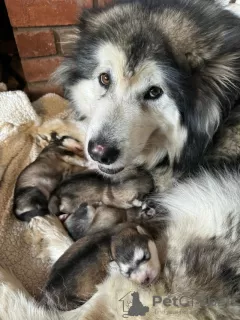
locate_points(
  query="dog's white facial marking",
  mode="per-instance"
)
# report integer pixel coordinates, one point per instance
(20, 210)
(144, 130)
(84, 96)
(147, 271)
(138, 254)
(124, 267)
(113, 61)
(144, 267)
(131, 266)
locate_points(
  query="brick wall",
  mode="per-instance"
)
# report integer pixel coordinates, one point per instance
(39, 28)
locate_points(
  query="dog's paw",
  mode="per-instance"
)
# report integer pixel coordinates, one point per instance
(137, 203)
(49, 235)
(148, 210)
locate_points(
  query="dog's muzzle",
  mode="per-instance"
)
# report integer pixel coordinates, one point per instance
(103, 153)
(110, 171)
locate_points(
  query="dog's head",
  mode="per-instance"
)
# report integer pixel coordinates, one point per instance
(150, 82)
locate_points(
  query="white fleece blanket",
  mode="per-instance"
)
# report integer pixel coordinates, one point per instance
(19, 251)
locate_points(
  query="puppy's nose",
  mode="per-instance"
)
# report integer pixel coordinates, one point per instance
(146, 281)
(102, 153)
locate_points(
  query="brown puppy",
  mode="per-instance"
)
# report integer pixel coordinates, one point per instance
(63, 156)
(127, 249)
(89, 219)
(92, 188)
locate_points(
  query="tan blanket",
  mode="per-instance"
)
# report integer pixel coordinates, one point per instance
(18, 122)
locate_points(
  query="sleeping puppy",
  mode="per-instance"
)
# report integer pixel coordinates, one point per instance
(127, 249)
(92, 188)
(89, 219)
(63, 156)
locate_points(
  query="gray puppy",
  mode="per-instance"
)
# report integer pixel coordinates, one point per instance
(64, 155)
(91, 188)
(127, 248)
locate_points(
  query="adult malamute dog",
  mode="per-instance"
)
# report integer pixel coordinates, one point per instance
(153, 81)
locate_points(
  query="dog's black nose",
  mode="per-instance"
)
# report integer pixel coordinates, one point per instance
(102, 153)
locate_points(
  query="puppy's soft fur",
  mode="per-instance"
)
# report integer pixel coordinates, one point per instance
(153, 79)
(87, 263)
(201, 260)
(190, 50)
(89, 219)
(92, 188)
(63, 156)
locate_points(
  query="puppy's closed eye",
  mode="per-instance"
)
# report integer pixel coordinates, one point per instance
(146, 257)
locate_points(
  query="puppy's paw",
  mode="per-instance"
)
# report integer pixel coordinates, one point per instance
(137, 203)
(49, 235)
(148, 210)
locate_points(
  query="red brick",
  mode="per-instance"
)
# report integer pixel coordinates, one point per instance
(27, 13)
(40, 69)
(102, 3)
(63, 39)
(35, 43)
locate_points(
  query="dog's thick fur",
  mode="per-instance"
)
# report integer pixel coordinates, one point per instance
(191, 50)
(202, 257)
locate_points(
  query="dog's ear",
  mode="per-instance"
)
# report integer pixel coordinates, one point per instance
(188, 61)
(214, 77)
(87, 16)
(194, 61)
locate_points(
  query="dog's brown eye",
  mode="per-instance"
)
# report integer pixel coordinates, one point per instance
(153, 93)
(104, 79)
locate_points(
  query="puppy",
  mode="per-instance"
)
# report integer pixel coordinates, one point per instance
(89, 219)
(128, 249)
(92, 188)
(63, 155)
